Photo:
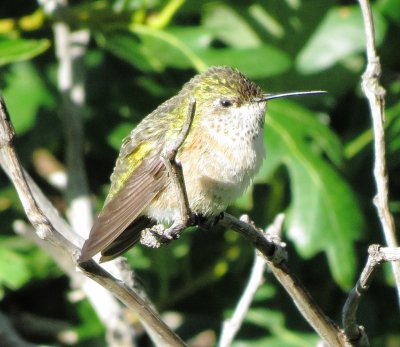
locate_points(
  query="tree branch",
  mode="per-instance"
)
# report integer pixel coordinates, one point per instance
(275, 256)
(51, 228)
(8, 336)
(70, 49)
(375, 94)
(377, 256)
(231, 326)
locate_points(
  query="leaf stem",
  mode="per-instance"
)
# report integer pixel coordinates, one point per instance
(194, 59)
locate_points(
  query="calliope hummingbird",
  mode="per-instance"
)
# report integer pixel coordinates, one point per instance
(220, 156)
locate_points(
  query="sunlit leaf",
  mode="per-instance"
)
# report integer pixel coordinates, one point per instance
(274, 322)
(12, 50)
(116, 136)
(296, 339)
(393, 134)
(154, 52)
(256, 62)
(14, 269)
(230, 26)
(25, 94)
(127, 47)
(170, 41)
(391, 8)
(324, 215)
(324, 141)
(340, 34)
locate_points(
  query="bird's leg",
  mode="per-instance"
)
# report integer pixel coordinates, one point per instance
(207, 222)
(155, 236)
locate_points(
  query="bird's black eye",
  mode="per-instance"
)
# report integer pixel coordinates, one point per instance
(225, 102)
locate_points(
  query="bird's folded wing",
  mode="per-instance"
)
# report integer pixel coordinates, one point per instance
(149, 178)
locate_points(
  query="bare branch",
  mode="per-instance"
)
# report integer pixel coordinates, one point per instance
(155, 327)
(231, 326)
(9, 337)
(70, 51)
(275, 256)
(375, 95)
(50, 169)
(377, 256)
(70, 47)
(52, 228)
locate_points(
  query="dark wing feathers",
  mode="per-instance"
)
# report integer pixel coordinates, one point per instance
(139, 189)
(127, 239)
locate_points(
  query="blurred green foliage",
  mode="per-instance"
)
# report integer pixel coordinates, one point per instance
(318, 166)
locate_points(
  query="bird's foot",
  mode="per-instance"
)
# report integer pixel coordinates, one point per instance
(158, 235)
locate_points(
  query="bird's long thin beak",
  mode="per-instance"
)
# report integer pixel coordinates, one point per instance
(267, 97)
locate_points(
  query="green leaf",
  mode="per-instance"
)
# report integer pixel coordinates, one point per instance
(127, 47)
(194, 37)
(14, 269)
(25, 94)
(12, 50)
(324, 141)
(150, 49)
(230, 26)
(265, 292)
(179, 46)
(391, 8)
(191, 47)
(268, 319)
(245, 202)
(340, 35)
(247, 60)
(274, 322)
(393, 133)
(323, 214)
(116, 136)
(170, 42)
(296, 340)
(392, 126)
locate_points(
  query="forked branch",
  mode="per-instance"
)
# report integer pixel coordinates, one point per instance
(52, 228)
(377, 256)
(375, 94)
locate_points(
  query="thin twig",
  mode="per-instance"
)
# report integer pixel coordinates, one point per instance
(275, 257)
(231, 326)
(375, 95)
(50, 169)
(70, 52)
(52, 228)
(155, 327)
(377, 255)
(70, 49)
(9, 337)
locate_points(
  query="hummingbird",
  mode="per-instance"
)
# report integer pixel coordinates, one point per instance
(220, 156)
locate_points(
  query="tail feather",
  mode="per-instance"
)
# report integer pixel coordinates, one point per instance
(127, 239)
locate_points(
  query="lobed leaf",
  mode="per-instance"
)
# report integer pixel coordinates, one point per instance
(324, 215)
(12, 50)
(340, 34)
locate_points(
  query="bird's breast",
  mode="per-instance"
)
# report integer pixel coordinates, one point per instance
(217, 168)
